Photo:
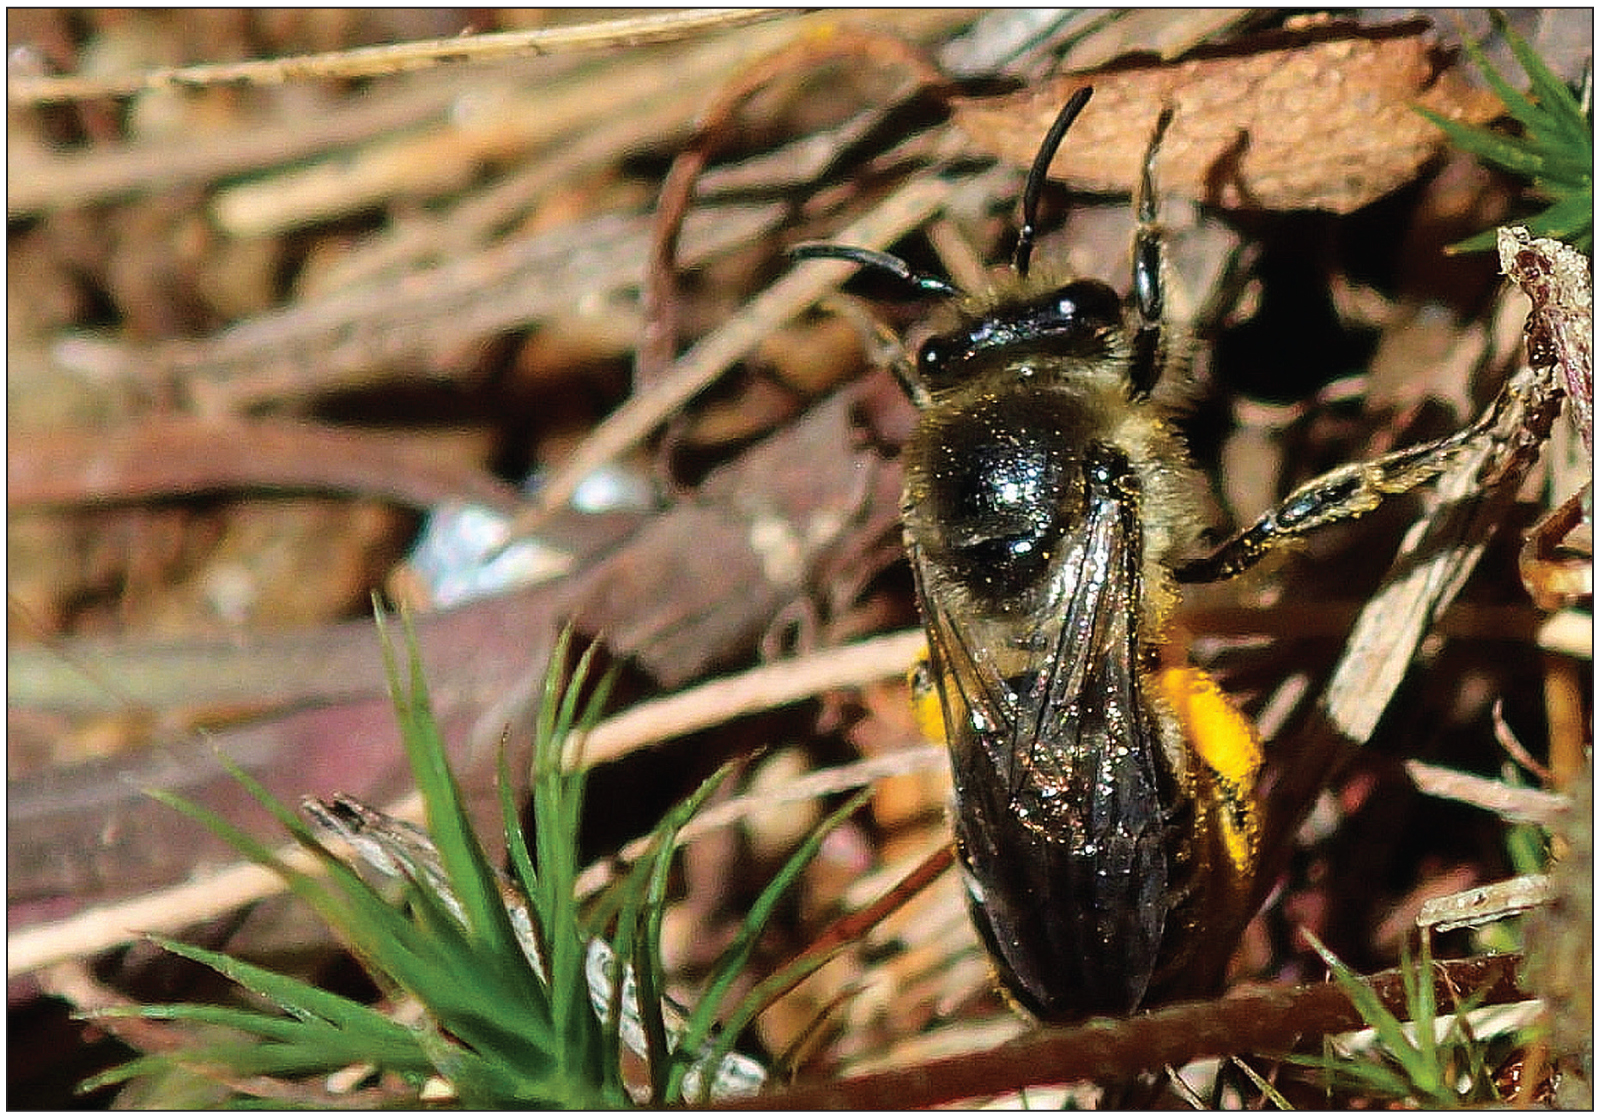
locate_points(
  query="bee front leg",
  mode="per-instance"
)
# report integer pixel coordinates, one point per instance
(1341, 494)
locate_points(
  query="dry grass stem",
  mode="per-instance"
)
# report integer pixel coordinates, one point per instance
(398, 58)
(1516, 804)
(94, 930)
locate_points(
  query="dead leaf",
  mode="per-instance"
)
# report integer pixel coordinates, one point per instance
(1328, 124)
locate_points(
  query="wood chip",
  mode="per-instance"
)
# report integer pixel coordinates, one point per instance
(1328, 124)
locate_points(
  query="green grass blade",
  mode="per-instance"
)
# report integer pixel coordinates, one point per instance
(522, 868)
(1569, 166)
(737, 955)
(558, 795)
(136, 1068)
(1517, 155)
(548, 790)
(492, 1034)
(1268, 1091)
(253, 1022)
(435, 970)
(442, 972)
(1478, 242)
(603, 1040)
(762, 993)
(298, 1047)
(302, 999)
(1556, 151)
(1515, 101)
(444, 980)
(1565, 220)
(1416, 975)
(302, 1043)
(619, 894)
(639, 932)
(537, 1025)
(624, 901)
(349, 904)
(649, 970)
(466, 866)
(1560, 109)
(1365, 1075)
(1365, 1000)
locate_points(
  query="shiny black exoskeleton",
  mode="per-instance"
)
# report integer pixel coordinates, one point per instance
(1106, 812)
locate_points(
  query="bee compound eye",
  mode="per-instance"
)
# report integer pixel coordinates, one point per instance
(933, 359)
(1085, 301)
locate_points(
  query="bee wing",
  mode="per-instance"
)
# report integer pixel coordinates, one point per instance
(1057, 760)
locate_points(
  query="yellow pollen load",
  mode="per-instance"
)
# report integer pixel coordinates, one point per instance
(1221, 735)
(926, 708)
(1224, 739)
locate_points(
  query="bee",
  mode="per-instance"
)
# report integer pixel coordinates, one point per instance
(1106, 814)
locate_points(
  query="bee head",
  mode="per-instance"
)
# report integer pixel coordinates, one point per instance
(1081, 320)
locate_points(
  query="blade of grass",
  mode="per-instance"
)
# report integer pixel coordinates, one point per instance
(301, 999)
(639, 939)
(1518, 155)
(459, 953)
(394, 946)
(550, 888)
(453, 975)
(1517, 104)
(1558, 107)
(737, 955)
(1365, 999)
(1563, 219)
(466, 865)
(1268, 1091)
(349, 905)
(1416, 977)
(558, 844)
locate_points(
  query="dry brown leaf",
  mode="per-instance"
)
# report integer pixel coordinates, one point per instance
(1328, 124)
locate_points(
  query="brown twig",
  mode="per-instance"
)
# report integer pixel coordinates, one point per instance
(850, 928)
(35, 182)
(1253, 1019)
(344, 338)
(901, 212)
(764, 688)
(812, 786)
(103, 927)
(167, 456)
(662, 388)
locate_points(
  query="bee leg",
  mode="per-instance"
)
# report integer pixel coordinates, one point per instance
(1341, 494)
(884, 348)
(1149, 339)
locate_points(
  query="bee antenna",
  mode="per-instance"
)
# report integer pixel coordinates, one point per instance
(882, 261)
(1039, 171)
